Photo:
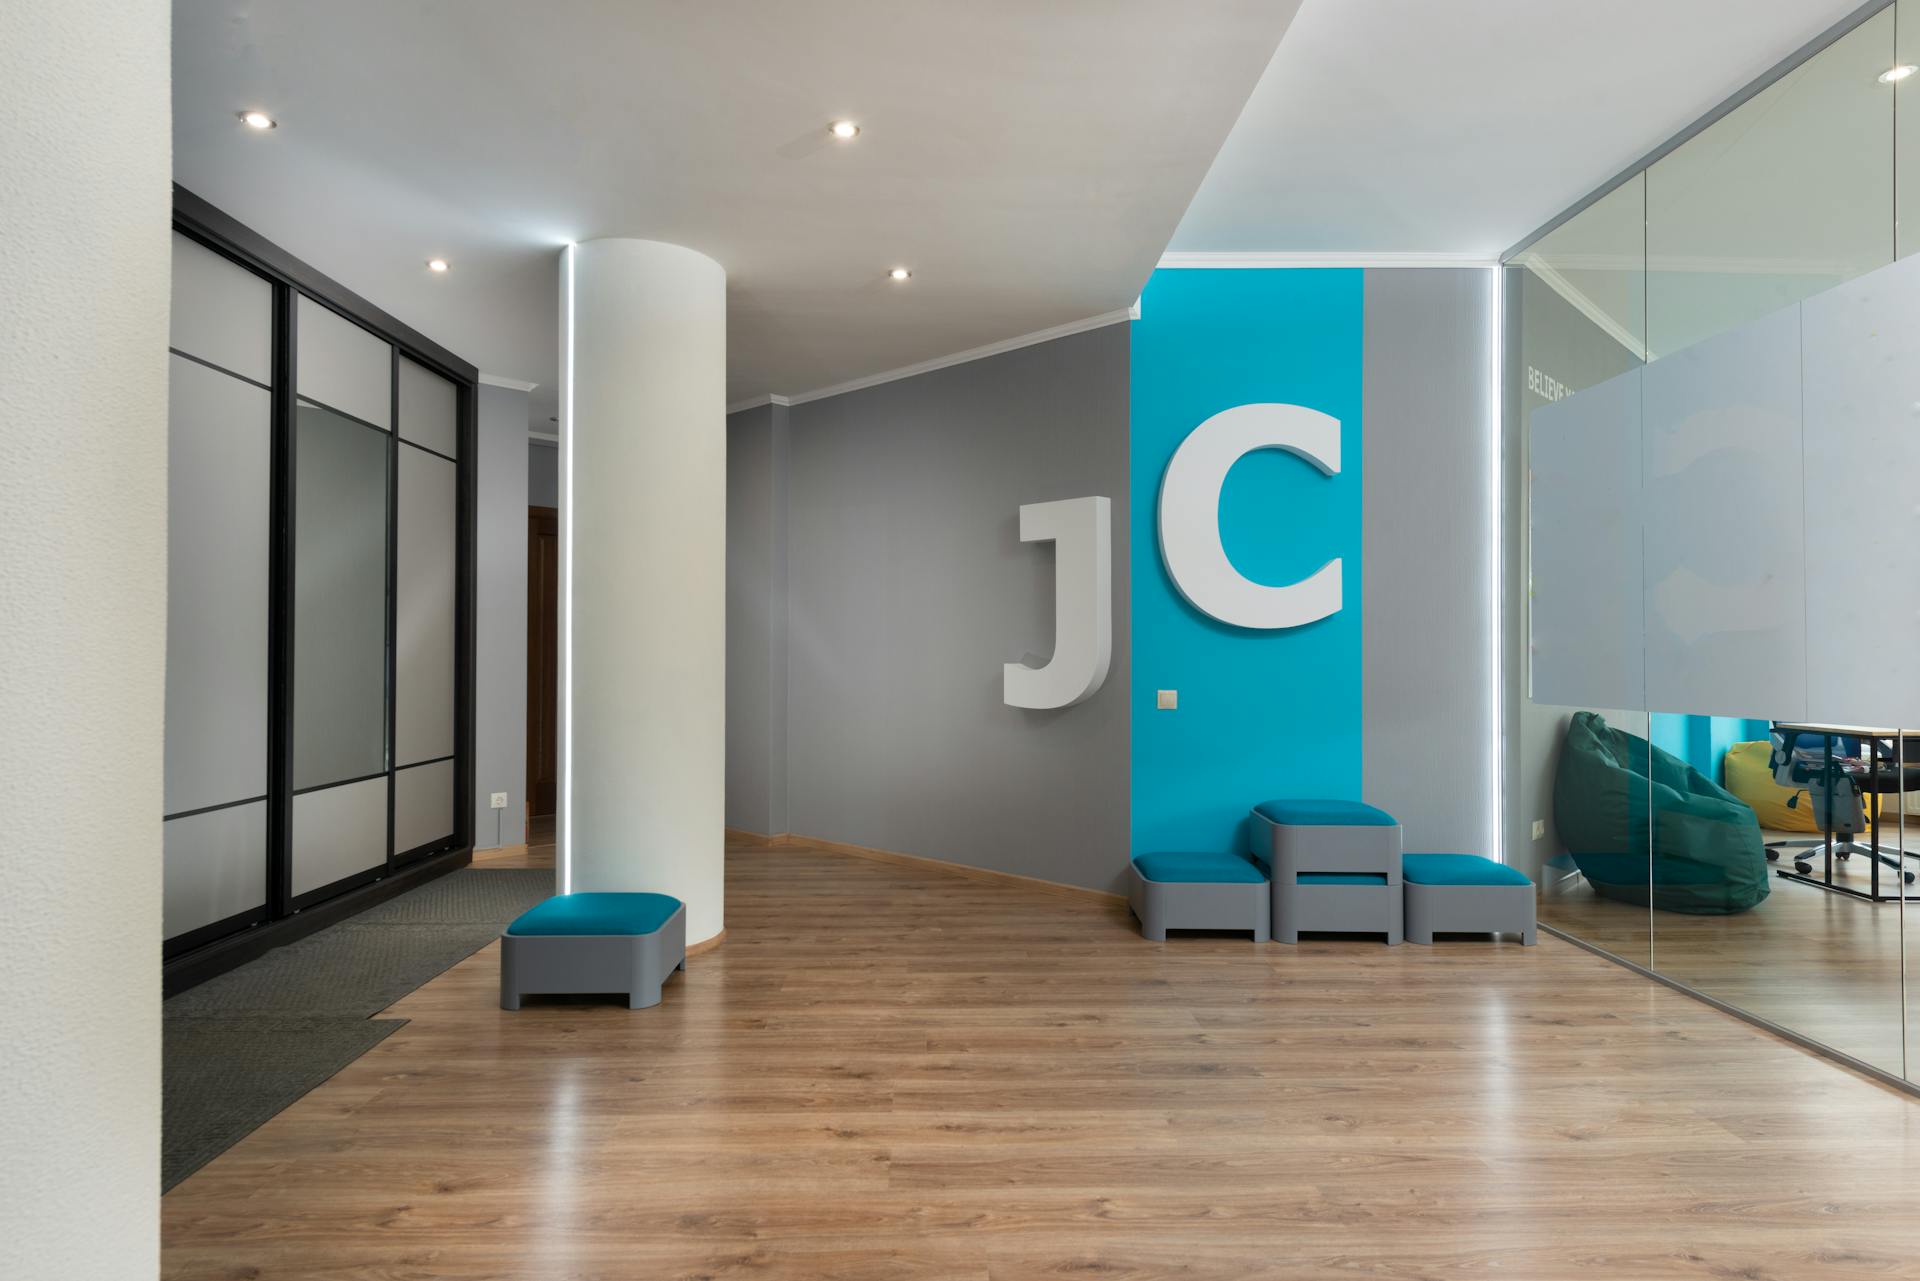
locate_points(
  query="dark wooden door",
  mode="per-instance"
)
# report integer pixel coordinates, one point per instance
(543, 650)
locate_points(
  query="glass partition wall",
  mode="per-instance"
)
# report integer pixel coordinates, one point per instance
(319, 702)
(1714, 413)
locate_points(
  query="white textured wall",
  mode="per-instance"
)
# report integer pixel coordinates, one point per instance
(85, 161)
(500, 624)
(644, 524)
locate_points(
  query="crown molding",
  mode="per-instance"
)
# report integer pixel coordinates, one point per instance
(755, 402)
(511, 384)
(1067, 330)
(1316, 258)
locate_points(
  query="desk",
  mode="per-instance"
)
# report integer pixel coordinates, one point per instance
(1887, 773)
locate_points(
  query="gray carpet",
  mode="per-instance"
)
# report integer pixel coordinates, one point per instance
(242, 1047)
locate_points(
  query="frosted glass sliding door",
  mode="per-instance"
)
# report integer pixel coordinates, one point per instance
(425, 606)
(342, 499)
(219, 459)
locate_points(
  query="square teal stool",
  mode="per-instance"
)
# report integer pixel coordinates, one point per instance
(1198, 891)
(594, 942)
(1466, 894)
(1335, 867)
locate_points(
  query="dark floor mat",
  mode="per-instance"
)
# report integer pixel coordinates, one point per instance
(241, 1047)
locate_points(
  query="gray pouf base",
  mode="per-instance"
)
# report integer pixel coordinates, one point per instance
(1469, 909)
(555, 964)
(1198, 905)
(1295, 850)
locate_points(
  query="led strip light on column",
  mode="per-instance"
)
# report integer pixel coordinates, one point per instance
(1496, 560)
(564, 836)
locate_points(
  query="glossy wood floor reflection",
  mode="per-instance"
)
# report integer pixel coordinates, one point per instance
(890, 1072)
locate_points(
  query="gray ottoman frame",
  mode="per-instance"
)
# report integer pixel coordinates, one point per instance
(1469, 909)
(637, 964)
(1198, 905)
(1303, 850)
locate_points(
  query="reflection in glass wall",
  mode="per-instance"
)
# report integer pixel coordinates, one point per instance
(1578, 824)
(1716, 428)
(1787, 195)
(340, 599)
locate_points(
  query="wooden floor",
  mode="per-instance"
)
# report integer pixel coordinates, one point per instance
(1824, 964)
(890, 1072)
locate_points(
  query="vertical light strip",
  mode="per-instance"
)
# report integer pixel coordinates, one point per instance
(565, 834)
(1496, 559)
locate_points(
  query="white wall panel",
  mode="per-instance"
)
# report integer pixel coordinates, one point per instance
(1725, 560)
(218, 446)
(222, 312)
(422, 805)
(216, 866)
(338, 831)
(1861, 345)
(341, 365)
(1587, 586)
(429, 409)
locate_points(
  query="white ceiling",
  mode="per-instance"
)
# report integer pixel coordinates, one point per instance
(1027, 160)
(1459, 126)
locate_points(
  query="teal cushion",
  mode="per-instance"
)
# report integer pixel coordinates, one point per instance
(1341, 878)
(1325, 814)
(1458, 869)
(597, 914)
(1212, 868)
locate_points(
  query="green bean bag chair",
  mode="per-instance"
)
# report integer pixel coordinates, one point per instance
(1708, 857)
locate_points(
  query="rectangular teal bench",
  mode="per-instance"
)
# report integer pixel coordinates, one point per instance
(1214, 890)
(594, 942)
(1465, 894)
(1335, 867)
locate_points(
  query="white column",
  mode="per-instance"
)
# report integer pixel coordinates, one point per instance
(85, 119)
(643, 574)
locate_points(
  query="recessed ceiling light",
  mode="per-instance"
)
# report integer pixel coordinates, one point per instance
(844, 130)
(899, 274)
(1895, 74)
(257, 120)
(436, 264)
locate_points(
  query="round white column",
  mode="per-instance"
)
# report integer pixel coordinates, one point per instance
(644, 574)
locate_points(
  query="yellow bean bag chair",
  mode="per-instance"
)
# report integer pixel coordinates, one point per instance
(1750, 778)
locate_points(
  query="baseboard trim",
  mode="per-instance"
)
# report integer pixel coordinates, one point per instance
(706, 945)
(792, 840)
(741, 836)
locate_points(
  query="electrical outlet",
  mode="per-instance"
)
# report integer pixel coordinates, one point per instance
(1168, 700)
(1539, 828)
(499, 800)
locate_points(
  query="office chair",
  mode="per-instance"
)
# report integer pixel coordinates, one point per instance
(1836, 776)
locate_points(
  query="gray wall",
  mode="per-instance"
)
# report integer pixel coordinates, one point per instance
(757, 619)
(543, 472)
(500, 617)
(1428, 722)
(909, 587)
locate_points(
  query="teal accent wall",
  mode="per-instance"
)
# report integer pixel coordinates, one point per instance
(1262, 713)
(1702, 741)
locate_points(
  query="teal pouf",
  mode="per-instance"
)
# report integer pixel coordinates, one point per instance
(594, 942)
(1198, 890)
(1465, 894)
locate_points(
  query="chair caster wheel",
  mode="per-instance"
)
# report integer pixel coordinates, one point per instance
(1843, 855)
(1773, 856)
(1909, 878)
(1805, 869)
